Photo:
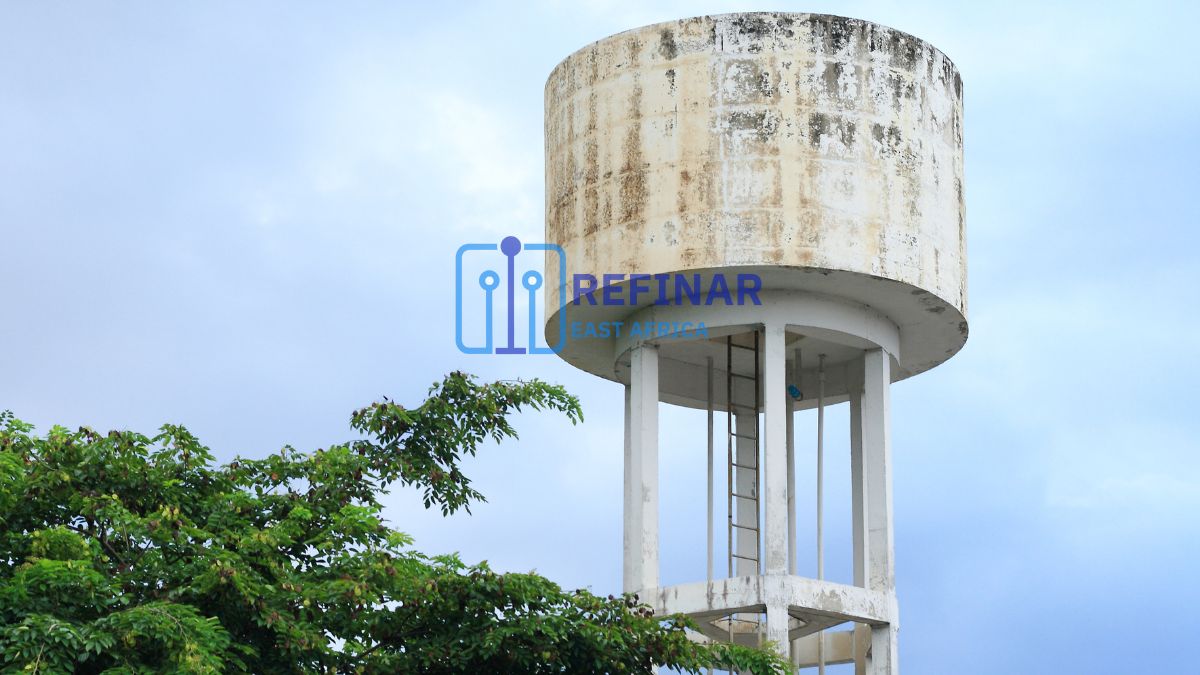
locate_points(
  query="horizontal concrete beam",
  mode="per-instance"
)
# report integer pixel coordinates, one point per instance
(839, 648)
(810, 622)
(800, 595)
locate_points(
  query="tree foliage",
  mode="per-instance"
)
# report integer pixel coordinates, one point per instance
(126, 553)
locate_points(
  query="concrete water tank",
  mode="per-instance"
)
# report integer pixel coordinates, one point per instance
(821, 152)
(820, 158)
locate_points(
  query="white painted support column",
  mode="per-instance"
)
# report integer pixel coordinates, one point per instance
(858, 508)
(777, 629)
(877, 468)
(775, 410)
(641, 516)
(874, 422)
(775, 450)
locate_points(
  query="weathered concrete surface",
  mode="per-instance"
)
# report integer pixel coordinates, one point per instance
(707, 600)
(821, 151)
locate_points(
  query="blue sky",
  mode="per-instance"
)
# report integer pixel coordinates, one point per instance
(242, 217)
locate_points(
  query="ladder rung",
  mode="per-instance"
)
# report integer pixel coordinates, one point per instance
(745, 466)
(743, 376)
(734, 344)
(742, 496)
(750, 437)
(743, 557)
(745, 527)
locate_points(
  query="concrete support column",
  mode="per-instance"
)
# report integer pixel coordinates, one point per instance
(871, 473)
(641, 472)
(858, 490)
(775, 466)
(777, 628)
(858, 511)
(877, 468)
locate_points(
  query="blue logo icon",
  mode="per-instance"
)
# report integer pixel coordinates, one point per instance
(489, 281)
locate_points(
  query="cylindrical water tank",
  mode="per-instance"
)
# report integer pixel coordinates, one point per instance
(822, 153)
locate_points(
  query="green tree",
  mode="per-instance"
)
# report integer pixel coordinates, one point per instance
(123, 553)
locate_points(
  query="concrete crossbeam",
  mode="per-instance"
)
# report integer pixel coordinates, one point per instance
(755, 594)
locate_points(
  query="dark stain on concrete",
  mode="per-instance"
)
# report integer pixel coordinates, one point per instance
(667, 47)
(681, 201)
(759, 122)
(904, 51)
(785, 24)
(833, 72)
(755, 27)
(820, 125)
(888, 138)
(633, 172)
(835, 32)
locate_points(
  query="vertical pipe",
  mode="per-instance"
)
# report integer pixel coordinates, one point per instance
(820, 466)
(821, 496)
(758, 455)
(793, 379)
(710, 477)
(729, 465)
(710, 469)
(729, 438)
(628, 538)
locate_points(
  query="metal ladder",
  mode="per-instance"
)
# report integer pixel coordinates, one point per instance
(745, 503)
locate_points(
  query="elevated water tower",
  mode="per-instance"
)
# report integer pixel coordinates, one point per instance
(823, 156)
